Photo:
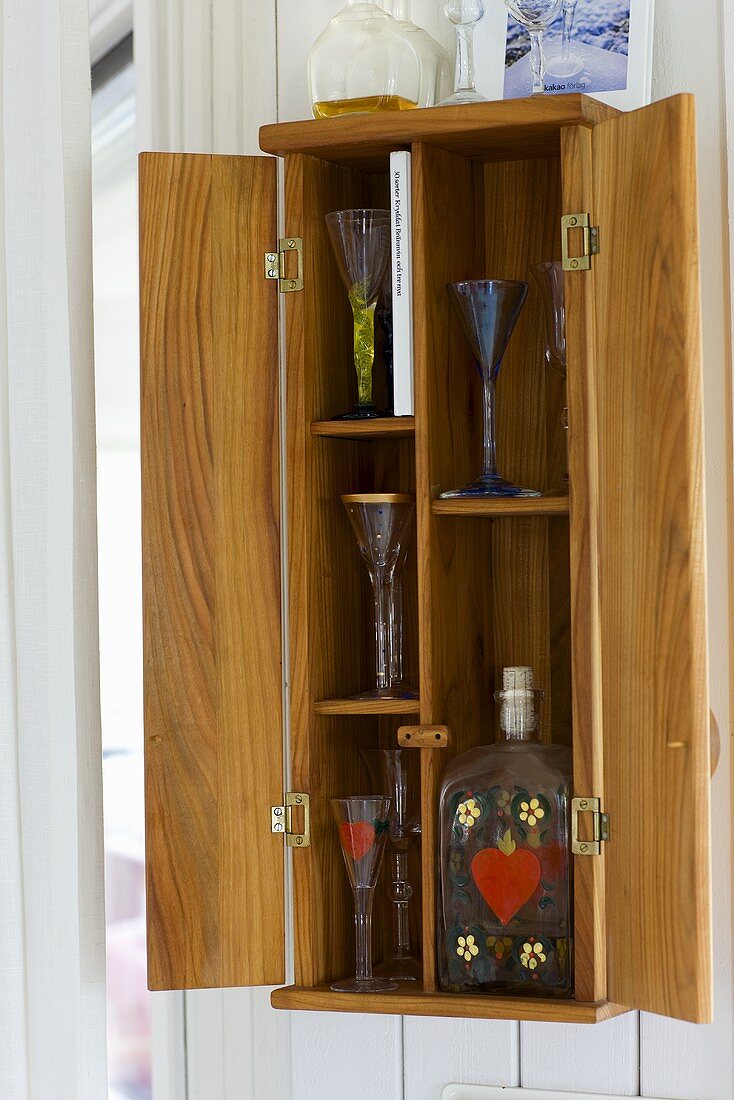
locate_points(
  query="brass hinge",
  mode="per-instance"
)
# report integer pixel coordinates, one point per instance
(590, 241)
(275, 264)
(600, 832)
(281, 819)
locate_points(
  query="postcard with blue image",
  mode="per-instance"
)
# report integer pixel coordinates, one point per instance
(585, 47)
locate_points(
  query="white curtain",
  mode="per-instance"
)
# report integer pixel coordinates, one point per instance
(52, 1033)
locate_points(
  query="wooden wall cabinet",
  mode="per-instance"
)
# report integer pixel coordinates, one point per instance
(604, 595)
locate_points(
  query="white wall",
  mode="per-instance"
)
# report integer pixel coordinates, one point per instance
(209, 84)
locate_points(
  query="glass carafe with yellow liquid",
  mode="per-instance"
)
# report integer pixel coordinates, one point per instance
(363, 62)
(436, 69)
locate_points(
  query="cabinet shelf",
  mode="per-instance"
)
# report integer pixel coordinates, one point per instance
(417, 1002)
(507, 508)
(395, 427)
(491, 131)
(367, 706)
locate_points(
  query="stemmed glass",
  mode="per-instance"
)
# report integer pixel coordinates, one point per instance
(361, 243)
(536, 15)
(464, 14)
(363, 825)
(488, 310)
(569, 62)
(391, 771)
(381, 524)
(548, 277)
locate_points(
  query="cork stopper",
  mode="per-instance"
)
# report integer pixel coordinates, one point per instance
(517, 701)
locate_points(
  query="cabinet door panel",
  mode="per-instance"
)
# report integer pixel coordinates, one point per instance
(652, 588)
(211, 571)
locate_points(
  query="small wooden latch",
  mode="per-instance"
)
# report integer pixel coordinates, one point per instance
(423, 737)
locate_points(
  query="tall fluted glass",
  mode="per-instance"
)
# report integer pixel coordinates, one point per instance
(361, 242)
(549, 280)
(362, 823)
(488, 310)
(381, 524)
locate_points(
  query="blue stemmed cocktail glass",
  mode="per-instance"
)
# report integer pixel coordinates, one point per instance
(488, 310)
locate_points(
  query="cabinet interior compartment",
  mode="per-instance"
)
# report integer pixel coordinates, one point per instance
(330, 596)
(492, 591)
(498, 589)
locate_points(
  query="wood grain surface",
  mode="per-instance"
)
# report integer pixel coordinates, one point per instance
(211, 568)
(590, 947)
(501, 130)
(652, 565)
(502, 507)
(418, 1002)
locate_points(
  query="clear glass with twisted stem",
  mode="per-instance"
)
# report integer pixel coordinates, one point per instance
(396, 773)
(464, 14)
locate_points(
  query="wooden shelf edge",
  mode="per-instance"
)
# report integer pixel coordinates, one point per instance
(417, 1002)
(393, 426)
(367, 706)
(355, 137)
(525, 506)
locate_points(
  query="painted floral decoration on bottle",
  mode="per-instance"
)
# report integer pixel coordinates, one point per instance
(505, 899)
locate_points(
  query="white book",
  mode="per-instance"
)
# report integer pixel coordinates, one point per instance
(402, 282)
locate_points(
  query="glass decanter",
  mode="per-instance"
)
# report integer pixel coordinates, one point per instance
(363, 62)
(504, 857)
(435, 63)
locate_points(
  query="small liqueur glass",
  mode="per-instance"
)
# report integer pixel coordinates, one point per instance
(464, 14)
(396, 773)
(381, 524)
(568, 62)
(361, 243)
(536, 15)
(549, 280)
(362, 823)
(488, 310)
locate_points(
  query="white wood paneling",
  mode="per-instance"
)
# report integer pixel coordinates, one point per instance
(344, 1056)
(599, 1058)
(478, 1092)
(243, 74)
(168, 1045)
(437, 1051)
(237, 1046)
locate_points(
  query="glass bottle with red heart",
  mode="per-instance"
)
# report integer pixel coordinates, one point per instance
(504, 856)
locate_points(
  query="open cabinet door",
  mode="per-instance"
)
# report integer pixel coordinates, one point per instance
(211, 571)
(651, 548)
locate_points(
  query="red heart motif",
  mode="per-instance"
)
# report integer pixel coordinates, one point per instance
(357, 838)
(506, 882)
